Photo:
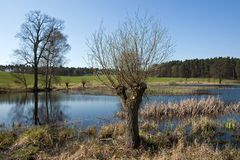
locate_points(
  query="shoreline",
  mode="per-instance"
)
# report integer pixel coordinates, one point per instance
(154, 89)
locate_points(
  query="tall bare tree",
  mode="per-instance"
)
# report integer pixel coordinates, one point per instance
(34, 36)
(125, 57)
(54, 56)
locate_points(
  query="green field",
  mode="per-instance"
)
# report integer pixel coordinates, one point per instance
(8, 81)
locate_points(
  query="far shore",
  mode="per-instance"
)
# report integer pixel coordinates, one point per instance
(153, 89)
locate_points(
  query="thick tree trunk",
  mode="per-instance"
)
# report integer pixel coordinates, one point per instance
(35, 87)
(131, 104)
(132, 126)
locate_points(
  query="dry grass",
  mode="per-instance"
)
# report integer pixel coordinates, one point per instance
(195, 152)
(110, 143)
(94, 150)
(189, 108)
(149, 126)
(112, 131)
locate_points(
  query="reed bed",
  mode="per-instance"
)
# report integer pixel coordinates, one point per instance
(175, 145)
(189, 108)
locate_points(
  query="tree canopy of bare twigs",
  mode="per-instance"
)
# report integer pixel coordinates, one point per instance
(125, 57)
(54, 56)
(126, 54)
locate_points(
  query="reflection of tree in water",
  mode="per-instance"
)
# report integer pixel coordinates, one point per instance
(50, 110)
(46, 110)
(20, 112)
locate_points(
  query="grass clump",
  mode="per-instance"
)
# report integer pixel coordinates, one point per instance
(65, 134)
(30, 142)
(204, 130)
(231, 124)
(119, 130)
(204, 124)
(6, 139)
(112, 131)
(33, 135)
(91, 131)
(106, 131)
(149, 126)
(25, 153)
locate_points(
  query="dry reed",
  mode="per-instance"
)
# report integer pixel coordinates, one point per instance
(189, 108)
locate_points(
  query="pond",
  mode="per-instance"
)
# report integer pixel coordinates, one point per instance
(86, 110)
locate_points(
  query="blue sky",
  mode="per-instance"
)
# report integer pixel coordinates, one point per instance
(199, 28)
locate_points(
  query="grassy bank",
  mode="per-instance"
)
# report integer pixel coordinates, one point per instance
(109, 142)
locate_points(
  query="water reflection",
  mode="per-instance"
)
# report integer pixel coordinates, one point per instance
(52, 107)
(51, 111)
(29, 109)
(19, 113)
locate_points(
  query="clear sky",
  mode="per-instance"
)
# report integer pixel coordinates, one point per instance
(199, 28)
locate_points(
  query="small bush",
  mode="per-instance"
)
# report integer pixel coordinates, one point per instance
(84, 82)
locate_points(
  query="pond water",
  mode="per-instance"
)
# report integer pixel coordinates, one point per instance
(87, 110)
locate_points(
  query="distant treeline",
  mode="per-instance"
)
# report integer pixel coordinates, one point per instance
(63, 71)
(221, 67)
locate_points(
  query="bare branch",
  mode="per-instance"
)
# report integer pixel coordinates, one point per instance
(125, 55)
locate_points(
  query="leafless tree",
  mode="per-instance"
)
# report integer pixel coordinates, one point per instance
(54, 56)
(34, 36)
(125, 57)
